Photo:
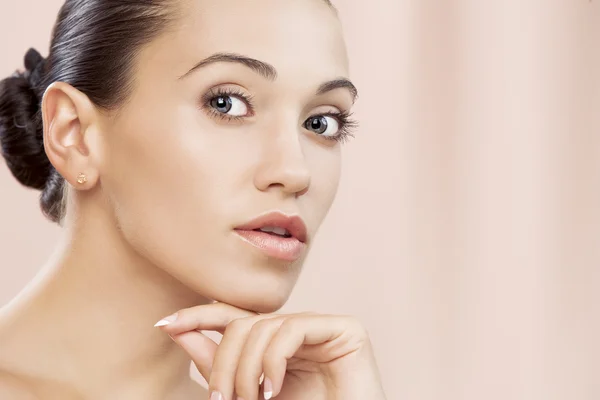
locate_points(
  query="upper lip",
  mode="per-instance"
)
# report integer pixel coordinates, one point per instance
(293, 224)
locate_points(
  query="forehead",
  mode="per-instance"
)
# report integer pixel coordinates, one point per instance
(297, 37)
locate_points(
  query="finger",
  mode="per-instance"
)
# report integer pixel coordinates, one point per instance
(226, 359)
(327, 338)
(250, 368)
(214, 317)
(201, 349)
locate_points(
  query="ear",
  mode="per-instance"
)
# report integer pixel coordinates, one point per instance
(68, 116)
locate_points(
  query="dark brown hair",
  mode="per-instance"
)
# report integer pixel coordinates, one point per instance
(93, 48)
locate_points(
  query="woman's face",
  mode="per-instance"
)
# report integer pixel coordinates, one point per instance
(255, 128)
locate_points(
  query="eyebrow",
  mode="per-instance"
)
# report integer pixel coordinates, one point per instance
(269, 72)
(260, 67)
(337, 84)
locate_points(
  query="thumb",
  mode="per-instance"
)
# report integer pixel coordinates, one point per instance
(201, 349)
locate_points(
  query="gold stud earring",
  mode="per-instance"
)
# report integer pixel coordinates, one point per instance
(81, 179)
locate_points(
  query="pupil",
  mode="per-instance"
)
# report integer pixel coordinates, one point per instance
(319, 125)
(222, 104)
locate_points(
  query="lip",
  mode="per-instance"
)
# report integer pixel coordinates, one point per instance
(286, 249)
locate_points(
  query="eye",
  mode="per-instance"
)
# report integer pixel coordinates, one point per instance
(323, 125)
(229, 105)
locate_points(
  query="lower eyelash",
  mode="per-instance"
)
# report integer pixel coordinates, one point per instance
(226, 92)
(224, 117)
(346, 123)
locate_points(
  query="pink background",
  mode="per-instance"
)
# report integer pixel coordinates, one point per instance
(466, 234)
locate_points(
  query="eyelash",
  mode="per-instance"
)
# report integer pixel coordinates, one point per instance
(346, 123)
(226, 92)
(344, 120)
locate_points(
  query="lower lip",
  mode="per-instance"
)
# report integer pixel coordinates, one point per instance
(286, 249)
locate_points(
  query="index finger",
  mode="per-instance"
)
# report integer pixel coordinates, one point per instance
(209, 317)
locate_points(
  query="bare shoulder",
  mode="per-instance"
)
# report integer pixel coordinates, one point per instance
(11, 387)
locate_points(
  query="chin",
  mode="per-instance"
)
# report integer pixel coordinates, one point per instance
(255, 284)
(260, 302)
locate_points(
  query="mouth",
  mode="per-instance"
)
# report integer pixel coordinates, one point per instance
(276, 235)
(275, 231)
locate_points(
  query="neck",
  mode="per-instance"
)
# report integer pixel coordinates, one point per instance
(90, 314)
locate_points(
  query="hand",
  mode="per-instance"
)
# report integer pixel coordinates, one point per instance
(293, 357)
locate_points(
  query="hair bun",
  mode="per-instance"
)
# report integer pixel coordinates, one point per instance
(32, 59)
(21, 129)
(34, 63)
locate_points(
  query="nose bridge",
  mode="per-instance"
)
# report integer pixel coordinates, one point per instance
(283, 162)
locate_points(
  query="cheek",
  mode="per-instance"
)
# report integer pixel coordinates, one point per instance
(325, 166)
(161, 184)
(176, 187)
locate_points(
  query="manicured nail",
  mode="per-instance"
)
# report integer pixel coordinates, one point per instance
(216, 396)
(166, 321)
(262, 378)
(267, 389)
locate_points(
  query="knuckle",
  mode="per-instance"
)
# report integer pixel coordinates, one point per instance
(290, 324)
(262, 325)
(236, 326)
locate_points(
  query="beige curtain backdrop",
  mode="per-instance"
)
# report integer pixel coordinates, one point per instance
(466, 234)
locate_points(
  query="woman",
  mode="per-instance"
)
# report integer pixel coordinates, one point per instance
(190, 150)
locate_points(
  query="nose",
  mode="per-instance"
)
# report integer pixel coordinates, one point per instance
(283, 165)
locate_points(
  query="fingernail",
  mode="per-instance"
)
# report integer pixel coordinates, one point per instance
(262, 378)
(166, 321)
(216, 396)
(267, 389)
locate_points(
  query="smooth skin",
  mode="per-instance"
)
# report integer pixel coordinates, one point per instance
(151, 231)
(295, 357)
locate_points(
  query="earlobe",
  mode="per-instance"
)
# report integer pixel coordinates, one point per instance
(68, 115)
